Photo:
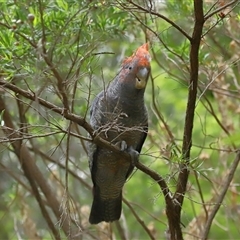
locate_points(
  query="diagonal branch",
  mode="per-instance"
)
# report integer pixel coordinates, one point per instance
(150, 11)
(225, 187)
(95, 138)
(141, 222)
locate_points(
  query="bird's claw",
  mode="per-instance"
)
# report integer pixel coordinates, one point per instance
(123, 145)
(134, 155)
(130, 150)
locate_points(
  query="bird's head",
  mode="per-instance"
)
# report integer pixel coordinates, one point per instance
(137, 67)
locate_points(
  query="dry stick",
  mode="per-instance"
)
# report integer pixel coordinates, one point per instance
(139, 219)
(6, 140)
(220, 9)
(43, 51)
(11, 173)
(60, 85)
(159, 115)
(160, 16)
(155, 176)
(20, 151)
(121, 231)
(62, 166)
(201, 194)
(66, 202)
(159, 38)
(212, 112)
(212, 215)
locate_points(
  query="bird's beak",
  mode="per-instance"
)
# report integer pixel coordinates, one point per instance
(141, 78)
(140, 83)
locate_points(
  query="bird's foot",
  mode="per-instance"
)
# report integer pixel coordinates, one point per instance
(130, 150)
(134, 155)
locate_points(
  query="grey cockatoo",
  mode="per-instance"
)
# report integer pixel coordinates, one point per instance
(119, 115)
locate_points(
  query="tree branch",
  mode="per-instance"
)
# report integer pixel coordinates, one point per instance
(175, 230)
(66, 114)
(192, 96)
(95, 138)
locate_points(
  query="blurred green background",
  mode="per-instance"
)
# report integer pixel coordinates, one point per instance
(86, 42)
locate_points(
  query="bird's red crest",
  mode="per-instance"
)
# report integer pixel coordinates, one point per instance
(141, 55)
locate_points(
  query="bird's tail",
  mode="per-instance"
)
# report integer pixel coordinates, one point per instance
(105, 210)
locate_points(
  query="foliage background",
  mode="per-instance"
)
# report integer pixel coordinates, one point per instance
(65, 52)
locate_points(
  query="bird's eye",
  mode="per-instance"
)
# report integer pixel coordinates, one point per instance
(129, 68)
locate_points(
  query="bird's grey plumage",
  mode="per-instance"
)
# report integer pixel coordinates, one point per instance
(120, 116)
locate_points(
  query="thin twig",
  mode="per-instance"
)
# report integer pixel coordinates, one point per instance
(220, 9)
(159, 38)
(43, 51)
(121, 231)
(141, 222)
(217, 22)
(150, 11)
(161, 118)
(219, 201)
(155, 176)
(200, 191)
(211, 110)
(3, 140)
(11, 173)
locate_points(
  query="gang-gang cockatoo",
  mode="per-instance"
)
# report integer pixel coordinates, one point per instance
(118, 114)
